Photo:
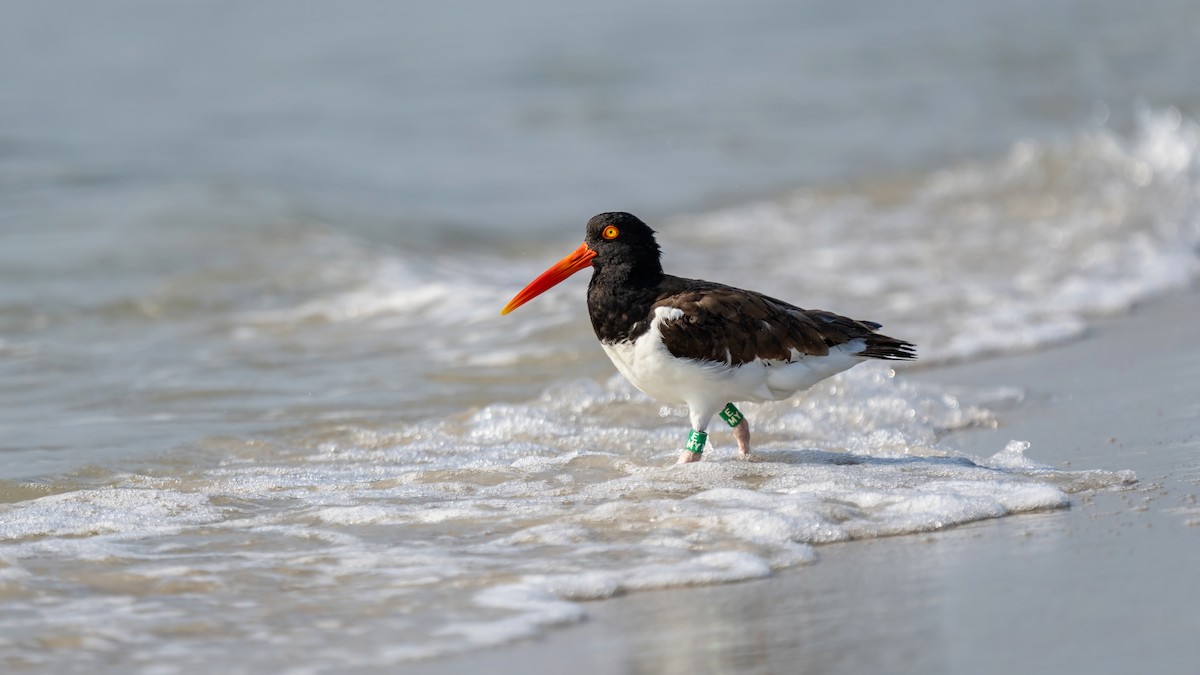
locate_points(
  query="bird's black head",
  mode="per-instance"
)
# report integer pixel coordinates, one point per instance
(624, 245)
(619, 247)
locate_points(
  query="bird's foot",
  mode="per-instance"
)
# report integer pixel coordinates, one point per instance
(687, 456)
(741, 433)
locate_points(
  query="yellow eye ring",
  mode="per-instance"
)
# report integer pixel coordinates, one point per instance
(610, 232)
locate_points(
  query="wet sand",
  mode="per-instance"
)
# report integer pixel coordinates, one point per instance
(1110, 585)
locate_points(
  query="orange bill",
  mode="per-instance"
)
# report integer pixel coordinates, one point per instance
(579, 259)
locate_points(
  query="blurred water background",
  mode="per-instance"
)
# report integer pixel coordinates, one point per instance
(254, 388)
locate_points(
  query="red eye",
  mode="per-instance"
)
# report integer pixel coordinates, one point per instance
(611, 232)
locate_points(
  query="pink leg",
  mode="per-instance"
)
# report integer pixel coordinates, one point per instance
(741, 433)
(687, 456)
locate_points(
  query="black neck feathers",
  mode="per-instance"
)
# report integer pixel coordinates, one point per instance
(627, 274)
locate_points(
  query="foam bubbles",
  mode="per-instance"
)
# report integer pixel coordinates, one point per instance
(1013, 457)
(120, 511)
(495, 524)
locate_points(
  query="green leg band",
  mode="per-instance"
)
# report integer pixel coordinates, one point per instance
(696, 441)
(732, 415)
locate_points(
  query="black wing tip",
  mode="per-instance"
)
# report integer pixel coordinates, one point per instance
(889, 349)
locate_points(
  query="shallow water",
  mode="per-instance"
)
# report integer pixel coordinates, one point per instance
(429, 538)
(255, 390)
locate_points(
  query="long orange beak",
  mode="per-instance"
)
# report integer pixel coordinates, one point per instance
(559, 271)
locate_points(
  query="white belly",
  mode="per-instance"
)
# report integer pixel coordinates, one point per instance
(650, 367)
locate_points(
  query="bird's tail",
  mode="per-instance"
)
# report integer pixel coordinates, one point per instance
(881, 346)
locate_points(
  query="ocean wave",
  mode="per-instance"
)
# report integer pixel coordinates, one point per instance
(990, 257)
(497, 523)
(970, 260)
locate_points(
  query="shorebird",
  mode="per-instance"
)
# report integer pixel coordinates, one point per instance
(702, 344)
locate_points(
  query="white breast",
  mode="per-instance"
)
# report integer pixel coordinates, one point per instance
(650, 367)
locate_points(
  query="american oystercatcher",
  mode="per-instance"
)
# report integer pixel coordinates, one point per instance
(702, 344)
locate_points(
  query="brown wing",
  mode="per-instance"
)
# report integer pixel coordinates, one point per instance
(729, 325)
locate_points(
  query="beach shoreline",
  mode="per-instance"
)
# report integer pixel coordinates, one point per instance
(260, 411)
(1105, 586)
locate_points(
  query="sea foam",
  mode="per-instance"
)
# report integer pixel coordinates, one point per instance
(492, 525)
